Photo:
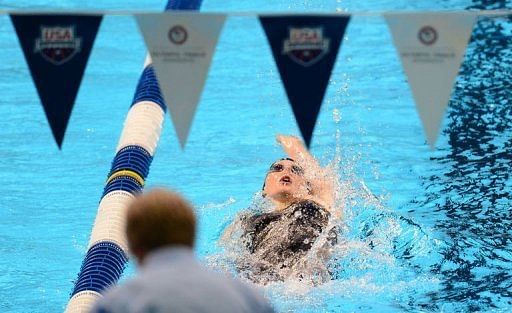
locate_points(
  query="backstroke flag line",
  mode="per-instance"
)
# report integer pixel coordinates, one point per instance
(431, 47)
(56, 48)
(305, 49)
(181, 46)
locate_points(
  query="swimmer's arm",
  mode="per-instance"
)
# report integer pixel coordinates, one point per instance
(229, 233)
(296, 150)
(322, 184)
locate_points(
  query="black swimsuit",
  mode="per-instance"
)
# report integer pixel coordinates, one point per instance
(277, 241)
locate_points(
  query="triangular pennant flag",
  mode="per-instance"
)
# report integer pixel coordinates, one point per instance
(56, 48)
(305, 49)
(181, 46)
(431, 47)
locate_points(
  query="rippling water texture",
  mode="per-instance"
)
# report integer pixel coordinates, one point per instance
(422, 230)
(472, 194)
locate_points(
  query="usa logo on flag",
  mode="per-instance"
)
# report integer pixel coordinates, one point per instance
(306, 45)
(58, 44)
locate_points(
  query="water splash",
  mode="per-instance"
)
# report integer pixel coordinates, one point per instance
(378, 252)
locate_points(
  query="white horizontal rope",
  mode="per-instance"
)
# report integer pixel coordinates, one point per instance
(110, 221)
(142, 126)
(490, 13)
(82, 302)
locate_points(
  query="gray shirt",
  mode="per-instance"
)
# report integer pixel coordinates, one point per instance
(171, 280)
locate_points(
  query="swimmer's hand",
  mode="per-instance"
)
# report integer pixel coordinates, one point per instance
(288, 141)
(294, 147)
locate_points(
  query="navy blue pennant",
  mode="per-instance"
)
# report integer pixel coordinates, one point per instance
(305, 49)
(56, 48)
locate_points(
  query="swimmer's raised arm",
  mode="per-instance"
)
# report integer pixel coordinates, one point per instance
(296, 150)
(322, 184)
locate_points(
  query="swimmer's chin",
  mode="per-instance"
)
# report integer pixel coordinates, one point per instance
(285, 198)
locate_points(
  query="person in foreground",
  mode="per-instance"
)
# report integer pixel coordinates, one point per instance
(279, 241)
(160, 229)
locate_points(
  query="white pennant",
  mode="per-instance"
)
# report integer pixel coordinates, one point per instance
(181, 46)
(431, 47)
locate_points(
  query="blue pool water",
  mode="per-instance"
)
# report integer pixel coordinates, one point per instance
(437, 236)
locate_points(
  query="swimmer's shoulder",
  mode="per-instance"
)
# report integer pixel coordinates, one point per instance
(257, 221)
(308, 207)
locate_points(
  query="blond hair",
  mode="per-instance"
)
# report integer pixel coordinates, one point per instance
(160, 218)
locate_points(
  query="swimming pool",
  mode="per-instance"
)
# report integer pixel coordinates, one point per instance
(458, 195)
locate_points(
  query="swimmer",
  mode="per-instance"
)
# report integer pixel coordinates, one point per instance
(301, 196)
(298, 177)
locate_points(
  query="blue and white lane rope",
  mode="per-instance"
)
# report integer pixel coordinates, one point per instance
(107, 252)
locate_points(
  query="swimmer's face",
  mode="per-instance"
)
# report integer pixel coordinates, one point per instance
(285, 181)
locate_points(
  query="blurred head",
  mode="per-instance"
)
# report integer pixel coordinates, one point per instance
(159, 219)
(285, 182)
